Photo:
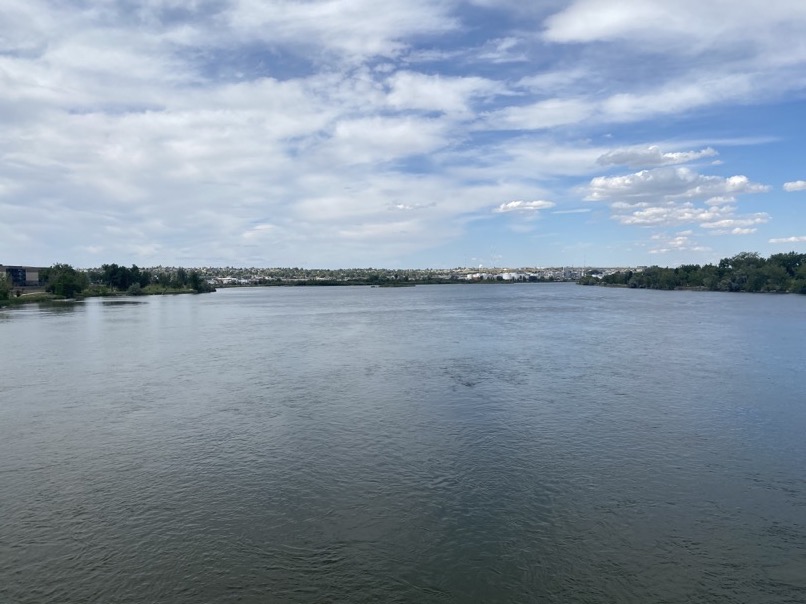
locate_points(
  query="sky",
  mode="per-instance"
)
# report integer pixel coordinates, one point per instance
(401, 134)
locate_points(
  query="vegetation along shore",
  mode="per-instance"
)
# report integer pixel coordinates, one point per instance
(745, 272)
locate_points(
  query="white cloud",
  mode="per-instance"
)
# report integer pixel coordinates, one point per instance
(352, 28)
(411, 90)
(796, 239)
(720, 200)
(669, 183)
(738, 224)
(668, 214)
(797, 185)
(252, 131)
(503, 50)
(524, 206)
(379, 139)
(680, 242)
(651, 156)
(714, 51)
(688, 26)
(259, 230)
(692, 91)
(673, 213)
(541, 115)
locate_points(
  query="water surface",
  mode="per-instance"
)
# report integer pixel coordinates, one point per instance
(503, 443)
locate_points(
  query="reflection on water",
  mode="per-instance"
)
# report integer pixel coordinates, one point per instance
(123, 302)
(447, 443)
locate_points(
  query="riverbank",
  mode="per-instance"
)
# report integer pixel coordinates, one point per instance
(41, 296)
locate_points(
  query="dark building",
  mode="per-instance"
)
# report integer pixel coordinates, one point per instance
(21, 276)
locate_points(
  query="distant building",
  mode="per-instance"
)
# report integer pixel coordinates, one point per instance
(21, 276)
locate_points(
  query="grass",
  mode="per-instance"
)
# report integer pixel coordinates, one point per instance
(29, 299)
(94, 291)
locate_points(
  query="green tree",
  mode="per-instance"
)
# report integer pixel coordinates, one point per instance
(181, 278)
(64, 280)
(5, 286)
(790, 262)
(195, 281)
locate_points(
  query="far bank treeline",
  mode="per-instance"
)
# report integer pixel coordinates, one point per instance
(745, 272)
(111, 279)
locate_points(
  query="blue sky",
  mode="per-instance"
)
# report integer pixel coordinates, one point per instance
(408, 133)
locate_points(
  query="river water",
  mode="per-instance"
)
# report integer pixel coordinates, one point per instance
(468, 443)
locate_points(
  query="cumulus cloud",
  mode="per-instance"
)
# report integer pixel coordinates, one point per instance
(668, 214)
(672, 213)
(651, 156)
(797, 185)
(669, 183)
(524, 206)
(680, 242)
(795, 239)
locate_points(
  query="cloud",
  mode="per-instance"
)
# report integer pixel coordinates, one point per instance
(668, 183)
(259, 230)
(738, 224)
(651, 156)
(503, 50)
(796, 239)
(797, 185)
(687, 26)
(410, 90)
(253, 132)
(668, 214)
(542, 115)
(380, 139)
(352, 29)
(720, 200)
(680, 242)
(681, 56)
(673, 213)
(407, 207)
(524, 206)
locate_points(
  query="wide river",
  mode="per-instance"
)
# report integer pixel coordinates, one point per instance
(467, 443)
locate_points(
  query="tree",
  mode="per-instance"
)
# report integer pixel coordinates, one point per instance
(5, 286)
(64, 280)
(195, 281)
(790, 262)
(181, 278)
(135, 289)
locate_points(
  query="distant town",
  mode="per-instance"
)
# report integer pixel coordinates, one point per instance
(230, 276)
(28, 277)
(744, 272)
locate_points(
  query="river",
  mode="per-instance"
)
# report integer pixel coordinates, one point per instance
(467, 443)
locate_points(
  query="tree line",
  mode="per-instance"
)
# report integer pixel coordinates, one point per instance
(745, 272)
(64, 280)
